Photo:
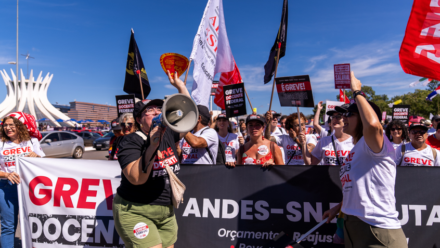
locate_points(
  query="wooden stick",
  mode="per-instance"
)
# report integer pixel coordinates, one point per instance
(299, 119)
(187, 70)
(276, 69)
(140, 81)
(248, 97)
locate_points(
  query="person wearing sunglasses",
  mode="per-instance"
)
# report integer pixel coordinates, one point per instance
(368, 178)
(434, 120)
(397, 133)
(230, 140)
(417, 152)
(114, 141)
(332, 150)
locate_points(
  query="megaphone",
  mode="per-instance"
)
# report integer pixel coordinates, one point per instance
(179, 113)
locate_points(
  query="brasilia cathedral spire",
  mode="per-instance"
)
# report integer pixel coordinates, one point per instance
(32, 97)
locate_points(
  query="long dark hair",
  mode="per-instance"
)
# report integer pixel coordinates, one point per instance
(398, 124)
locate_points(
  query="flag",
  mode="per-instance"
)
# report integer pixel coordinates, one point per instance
(280, 43)
(132, 70)
(417, 82)
(341, 97)
(427, 82)
(226, 78)
(420, 48)
(395, 103)
(211, 52)
(433, 94)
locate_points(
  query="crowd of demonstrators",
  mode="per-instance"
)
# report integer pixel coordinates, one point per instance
(15, 142)
(275, 130)
(368, 179)
(200, 146)
(333, 149)
(397, 133)
(283, 121)
(232, 141)
(258, 150)
(417, 152)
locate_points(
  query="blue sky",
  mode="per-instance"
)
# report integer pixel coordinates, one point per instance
(85, 43)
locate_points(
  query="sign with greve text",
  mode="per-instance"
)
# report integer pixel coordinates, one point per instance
(214, 87)
(235, 101)
(125, 104)
(401, 113)
(342, 76)
(295, 91)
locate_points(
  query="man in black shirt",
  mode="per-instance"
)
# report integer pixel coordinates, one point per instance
(142, 209)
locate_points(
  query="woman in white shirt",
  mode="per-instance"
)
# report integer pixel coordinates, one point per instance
(332, 150)
(397, 133)
(368, 178)
(230, 140)
(15, 142)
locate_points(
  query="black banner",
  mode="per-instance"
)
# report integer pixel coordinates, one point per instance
(125, 104)
(295, 91)
(401, 113)
(247, 206)
(235, 102)
(214, 87)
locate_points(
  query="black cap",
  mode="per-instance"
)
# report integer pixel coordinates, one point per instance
(255, 118)
(417, 125)
(204, 111)
(354, 108)
(141, 105)
(222, 116)
(116, 126)
(435, 117)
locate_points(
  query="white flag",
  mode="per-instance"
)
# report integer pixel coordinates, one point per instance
(211, 52)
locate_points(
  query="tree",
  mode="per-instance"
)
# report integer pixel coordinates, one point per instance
(322, 114)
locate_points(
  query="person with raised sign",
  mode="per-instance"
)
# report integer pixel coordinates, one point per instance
(397, 133)
(332, 150)
(320, 131)
(258, 150)
(417, 152)
(231, 140)
(368, 178)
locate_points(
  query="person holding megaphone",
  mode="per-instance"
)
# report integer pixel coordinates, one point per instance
(143, 206)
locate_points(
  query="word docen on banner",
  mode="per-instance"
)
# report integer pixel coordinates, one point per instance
(295, 91)
(342, 76)
(125, 104)
(401, 113)
(235, 102)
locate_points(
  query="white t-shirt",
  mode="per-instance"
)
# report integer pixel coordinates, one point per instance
(368, 181)
(10, 150)
(413, 157)
(397, 145)
(278, 131)
(291, 148)
(431, 131)
(200, 155)
(231, 145)
(325, 152)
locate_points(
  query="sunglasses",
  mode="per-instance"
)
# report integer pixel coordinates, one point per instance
(348, 114)
(437, 120)
(421, 132)
(337, 117)
(127, 125)
(394, 129)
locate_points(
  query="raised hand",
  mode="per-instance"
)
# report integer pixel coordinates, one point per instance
(355, 83)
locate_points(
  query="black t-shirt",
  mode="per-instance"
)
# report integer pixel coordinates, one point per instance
(157, 190)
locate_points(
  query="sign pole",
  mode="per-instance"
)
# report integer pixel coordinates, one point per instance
(276, 69)
(299, 119)
(211, 104)
(140, 81)
(187, 70)
(247, 96)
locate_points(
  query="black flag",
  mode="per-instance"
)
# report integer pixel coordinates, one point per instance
(269, 68)
(135, 66)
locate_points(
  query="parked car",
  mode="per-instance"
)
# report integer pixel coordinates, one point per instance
(104, 142)
(62, 144)
(89, 137)
(87, 130)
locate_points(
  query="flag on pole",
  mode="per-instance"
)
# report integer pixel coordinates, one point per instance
(341, 97)
(433, 94)
(417, 82)
(226, 78)
(269, 68)
(134, 66)
(211, 52)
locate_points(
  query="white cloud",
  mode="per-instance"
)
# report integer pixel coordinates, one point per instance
(314, 61)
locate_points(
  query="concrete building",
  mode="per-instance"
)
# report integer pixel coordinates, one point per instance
(93, 111)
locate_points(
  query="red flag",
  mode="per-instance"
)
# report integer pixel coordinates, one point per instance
(227, 78)
(420, 49)
(341, 97)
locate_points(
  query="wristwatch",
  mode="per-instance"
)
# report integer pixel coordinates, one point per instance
(358, 92)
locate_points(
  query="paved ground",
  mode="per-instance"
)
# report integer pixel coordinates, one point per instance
(89, 153)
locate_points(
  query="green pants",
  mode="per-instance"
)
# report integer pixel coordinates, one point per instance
(143, 225)
(358, 234)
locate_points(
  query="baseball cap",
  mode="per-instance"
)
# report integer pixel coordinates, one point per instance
(436, 117)
(417, 125)
(142, 105)
(255, 118)
(204, 111)
(354, 108)
(115, 125)
(222, 116)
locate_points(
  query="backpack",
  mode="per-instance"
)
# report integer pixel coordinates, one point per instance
(221, 154)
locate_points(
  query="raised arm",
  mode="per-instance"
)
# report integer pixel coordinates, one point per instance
(176, 82)
(316, 125)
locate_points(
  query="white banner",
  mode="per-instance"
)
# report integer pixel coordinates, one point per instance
(211, 51)
(330, 105)
(68, 203)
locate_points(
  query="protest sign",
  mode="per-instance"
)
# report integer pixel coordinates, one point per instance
(295, 91)
(330, 105)
(214, 87)
(384, 115)
(125, 104)
(342, 76)
(401, 113)
(235, 102)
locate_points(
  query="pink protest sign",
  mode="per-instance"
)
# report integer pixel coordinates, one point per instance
(342, 76)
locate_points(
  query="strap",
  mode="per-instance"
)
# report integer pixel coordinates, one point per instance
(434, 153)
(403, 148)
(144, 166)
(207, 148)
(336, 151)
(293, 153)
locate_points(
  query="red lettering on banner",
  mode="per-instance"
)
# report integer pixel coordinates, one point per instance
(107, 183)
(86, 192)
(46, 192)
(66, 195)
(292, 87)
